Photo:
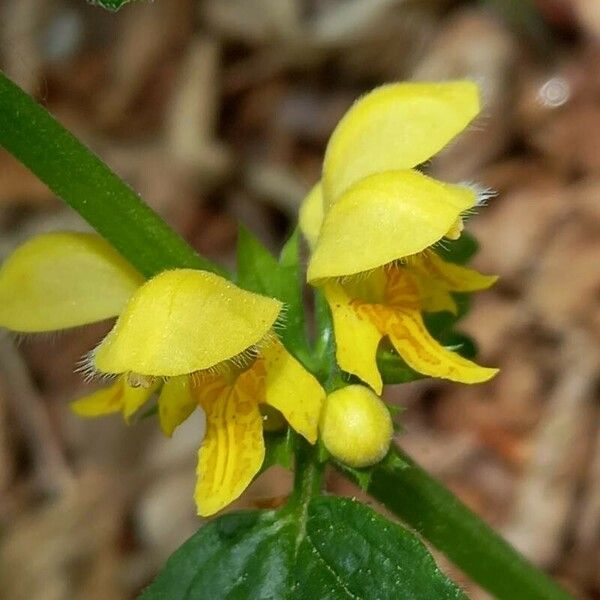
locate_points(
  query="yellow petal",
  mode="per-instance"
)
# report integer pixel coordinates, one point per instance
(423, 353)
(61, 280)
(102, 402)
(410, 286)
(175, 403)
(455, 278)
(435, 298)
(291, 389)
(395, 127)
(385, 217)
(356, 337)
(119, 397)
(233, 449)
(401, 320)
(183, 321)
(368, 287)
(401, 290)
(311, 215)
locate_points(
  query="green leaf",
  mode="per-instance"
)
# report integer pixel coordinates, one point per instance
(110, 4)
(337, 548)
(244, 555)
(260, 272)
(440, 517)
(81, 179)
(350, 551)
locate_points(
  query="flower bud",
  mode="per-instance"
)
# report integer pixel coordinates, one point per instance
(356, 426)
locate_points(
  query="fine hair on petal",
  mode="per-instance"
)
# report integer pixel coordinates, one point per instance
(483, 195)
(280, 322)
(239, 362)
(85, 366)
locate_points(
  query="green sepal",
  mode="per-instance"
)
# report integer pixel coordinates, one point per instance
(363, 477)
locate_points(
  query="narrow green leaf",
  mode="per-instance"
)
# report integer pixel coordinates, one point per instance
(81, 179)
(258, 271)
(337, 548)
(441, 518)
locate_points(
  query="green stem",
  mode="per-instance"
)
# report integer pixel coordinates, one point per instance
(81, 179)
(308, 475)
(308, 481)
(441, 518)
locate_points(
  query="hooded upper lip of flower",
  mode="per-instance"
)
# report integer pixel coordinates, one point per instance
(184, 331)
(371, 207)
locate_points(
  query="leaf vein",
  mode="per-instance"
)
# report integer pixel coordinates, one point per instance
(332, 571)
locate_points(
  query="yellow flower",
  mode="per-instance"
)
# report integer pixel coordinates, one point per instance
(189, 335)
(371, 223)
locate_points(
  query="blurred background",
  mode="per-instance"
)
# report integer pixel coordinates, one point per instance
(218, 112)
